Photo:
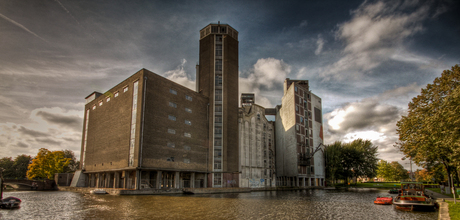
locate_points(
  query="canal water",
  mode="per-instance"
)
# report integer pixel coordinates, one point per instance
(302, 204)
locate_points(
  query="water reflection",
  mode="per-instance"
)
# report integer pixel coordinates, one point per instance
(304, 204)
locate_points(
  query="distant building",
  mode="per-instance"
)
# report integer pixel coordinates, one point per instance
(299, 133)
(257, 148)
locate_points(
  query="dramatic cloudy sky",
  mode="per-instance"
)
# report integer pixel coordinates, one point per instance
(365, 59)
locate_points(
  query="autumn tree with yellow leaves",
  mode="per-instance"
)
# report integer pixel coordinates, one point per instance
(47, 163)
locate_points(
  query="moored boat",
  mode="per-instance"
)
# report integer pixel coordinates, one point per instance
(10, 203)
(98, 191)
(412, 198)
(382, 200)
(393, 191)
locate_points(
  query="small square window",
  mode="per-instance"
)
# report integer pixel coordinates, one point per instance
(188, 97)
(186, 147)
(186, 160)
(172, 118)
(116, 94)
(125, 89)
(108, 99)
(171, 131)
(189, 110)
(100, 103)
(187, 122)
(187, 134)
(172, 104)
(170, 144)
(172, 91)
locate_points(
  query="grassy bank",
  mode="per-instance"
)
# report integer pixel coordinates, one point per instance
(454, 210)
(438, 190)
(373, 185)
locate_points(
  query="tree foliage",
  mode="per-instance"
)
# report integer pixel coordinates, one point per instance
(347, 160)
(17, 168)
(392, 171)
(47, 163)
(429, 133)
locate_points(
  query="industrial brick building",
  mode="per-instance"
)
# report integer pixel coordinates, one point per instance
(299, 137)
(150, 132)
(257, 148)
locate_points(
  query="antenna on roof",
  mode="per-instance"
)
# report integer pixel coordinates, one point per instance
(218, 22)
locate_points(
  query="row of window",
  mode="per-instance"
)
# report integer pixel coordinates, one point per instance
(173, 131)
(174, 92)
(174, 105)
(171, 159)
(107, 99)
(173, 118)
(173, 145)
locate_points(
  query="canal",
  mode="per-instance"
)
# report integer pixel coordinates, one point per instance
(302, 204)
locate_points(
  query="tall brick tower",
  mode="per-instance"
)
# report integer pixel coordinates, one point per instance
(217, 78)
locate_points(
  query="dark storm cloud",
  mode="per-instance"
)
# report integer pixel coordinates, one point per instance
(48, 141)
(33, 133)
(22, 145)
(368, 114)
(63, 120)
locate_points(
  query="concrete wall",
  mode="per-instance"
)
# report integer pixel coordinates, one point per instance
(319, 166)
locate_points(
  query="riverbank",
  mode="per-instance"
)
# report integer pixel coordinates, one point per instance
(112, 191)
(444, 206)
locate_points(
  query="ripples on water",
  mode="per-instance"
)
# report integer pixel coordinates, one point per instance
(304, 204)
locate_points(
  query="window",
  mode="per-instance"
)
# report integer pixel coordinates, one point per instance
(94, 107)
(171, 131)
(301, 119)
(100, 103)
(125, 89)
(170, 144)
(108, 99)
(295, 88)
(187, 122)
(297, 127)
(172, 104)
(218, 130)
(217, 152)
(217, 178)
(186, 147)
(188, 97)
(187, 135)
(218, 50)
(116, 94)
(317, 115)
(218, 108)
(218, 80)
(170, 159)
(219, 65)
(186, 160)
(218, 95)
(218, 38)
(172, 91)
(172, 118)
(188, 110)
(218, 119)
(296, 108)
(217, 142)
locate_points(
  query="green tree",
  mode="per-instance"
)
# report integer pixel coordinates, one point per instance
(46, 164)
(429, 132)
(333, 161)
(384, 170)
(20, 166)
(73, 165)
(398, 172)
(6, 164)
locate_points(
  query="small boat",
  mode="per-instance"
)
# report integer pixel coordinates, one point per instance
(98, 191)
(412, 198)
(383, 200)
(10, 203)
(393, 191)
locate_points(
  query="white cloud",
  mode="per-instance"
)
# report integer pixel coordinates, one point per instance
(320, 43)
(265, 80)
(179, 75)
